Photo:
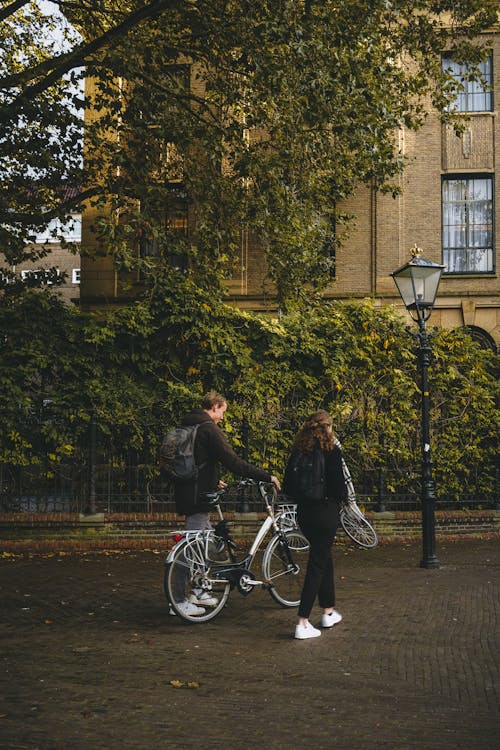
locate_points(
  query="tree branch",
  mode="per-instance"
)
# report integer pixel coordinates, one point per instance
(76, 57)
(58, 62)
(10, 9)
(37, 218)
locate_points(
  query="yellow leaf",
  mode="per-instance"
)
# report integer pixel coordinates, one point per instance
(179, 684)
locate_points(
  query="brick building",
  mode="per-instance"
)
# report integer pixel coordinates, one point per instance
(65, 261)
(449, 205)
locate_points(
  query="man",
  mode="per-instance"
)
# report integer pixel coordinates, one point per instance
(211, 449)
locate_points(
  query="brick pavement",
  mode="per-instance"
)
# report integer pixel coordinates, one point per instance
(88, 654)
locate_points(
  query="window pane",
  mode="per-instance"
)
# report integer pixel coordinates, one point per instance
(467, 233)
(471, 96)
(479, 189)
(454, 261)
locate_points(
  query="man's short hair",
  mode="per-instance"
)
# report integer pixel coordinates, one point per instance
(212, 398)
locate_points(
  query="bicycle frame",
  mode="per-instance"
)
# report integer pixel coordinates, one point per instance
(218, 571)
(204, 561)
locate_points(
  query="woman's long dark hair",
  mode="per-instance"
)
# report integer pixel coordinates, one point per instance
(314, 433)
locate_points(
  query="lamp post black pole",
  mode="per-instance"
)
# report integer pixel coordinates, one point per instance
(417, 282)
(429, 559)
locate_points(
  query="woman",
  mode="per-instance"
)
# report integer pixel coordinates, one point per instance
(318, 519)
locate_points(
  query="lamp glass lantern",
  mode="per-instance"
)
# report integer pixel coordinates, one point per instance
(417, 282)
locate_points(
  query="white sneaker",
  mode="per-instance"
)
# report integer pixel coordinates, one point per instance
(327, 621)
(306, 631)
(203, 598)
(187, 608)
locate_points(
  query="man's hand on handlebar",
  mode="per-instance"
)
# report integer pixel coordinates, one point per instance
(276, 483)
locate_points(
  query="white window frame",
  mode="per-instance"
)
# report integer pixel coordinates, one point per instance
(471, 96)
(468, 230)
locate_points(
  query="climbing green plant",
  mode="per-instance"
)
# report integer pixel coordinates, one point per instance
(466, 420)
(132, 373)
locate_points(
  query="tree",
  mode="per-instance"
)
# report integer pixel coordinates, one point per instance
(296, 104)
(41, 110)
(257, 116)
(39, 143)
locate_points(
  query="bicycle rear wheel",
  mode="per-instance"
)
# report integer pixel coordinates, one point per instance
(188, 569)
(357, 527)
(284, 566)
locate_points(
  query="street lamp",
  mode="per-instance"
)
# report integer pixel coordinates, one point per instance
(417, 282)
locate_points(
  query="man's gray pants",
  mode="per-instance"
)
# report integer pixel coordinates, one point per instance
(194, 522)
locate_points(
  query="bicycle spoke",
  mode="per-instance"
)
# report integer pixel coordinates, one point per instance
(357, 527)
(188, 574)
(284, 565)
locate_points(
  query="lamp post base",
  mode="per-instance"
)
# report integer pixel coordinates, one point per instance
(430, 562)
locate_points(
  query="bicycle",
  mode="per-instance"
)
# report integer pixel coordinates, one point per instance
(356, 526)
(206, 559)
(352, 521)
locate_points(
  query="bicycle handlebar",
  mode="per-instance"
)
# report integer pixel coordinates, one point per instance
(212, 498)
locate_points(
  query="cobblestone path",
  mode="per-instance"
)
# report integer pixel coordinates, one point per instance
(89, 654)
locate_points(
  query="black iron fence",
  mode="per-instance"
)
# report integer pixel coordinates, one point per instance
(117, 487)
(98, 476)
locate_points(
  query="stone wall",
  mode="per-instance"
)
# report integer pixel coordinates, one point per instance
(28, 532)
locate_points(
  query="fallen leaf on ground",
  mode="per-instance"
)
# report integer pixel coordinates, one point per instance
(179, 684)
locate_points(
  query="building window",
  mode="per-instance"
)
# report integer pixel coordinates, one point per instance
(471, 95)
(71, 231)
(468, 224)
(481, 337)
(170, 242)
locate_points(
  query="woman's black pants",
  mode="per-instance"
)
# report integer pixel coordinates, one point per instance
(319, 523)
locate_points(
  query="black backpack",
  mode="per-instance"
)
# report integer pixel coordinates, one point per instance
(304, 479)
(177, 454)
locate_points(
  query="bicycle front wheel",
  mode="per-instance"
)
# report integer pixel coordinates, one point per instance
(188, 572)
(357, 527)
(284, 566)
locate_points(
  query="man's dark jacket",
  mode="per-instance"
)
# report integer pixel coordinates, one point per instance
(211, 449)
